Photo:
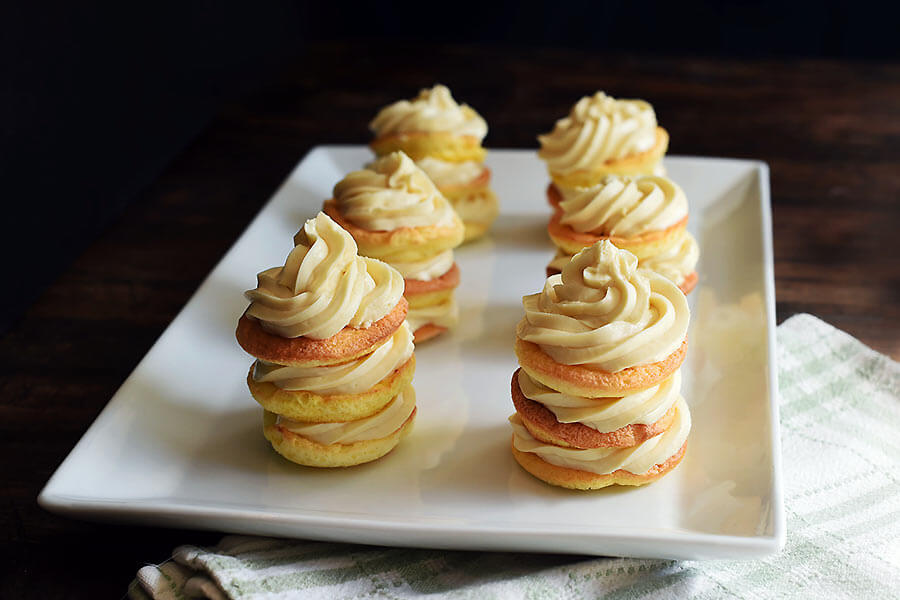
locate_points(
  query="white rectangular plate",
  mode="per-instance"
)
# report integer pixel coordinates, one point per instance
(180, 444)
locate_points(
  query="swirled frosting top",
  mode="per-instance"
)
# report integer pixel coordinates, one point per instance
(392, 193)
(605, 313)
(434, 109)
(323, 286)
(624, 206)
(599, 128)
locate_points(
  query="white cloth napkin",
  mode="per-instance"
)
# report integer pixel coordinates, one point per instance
(840, 416)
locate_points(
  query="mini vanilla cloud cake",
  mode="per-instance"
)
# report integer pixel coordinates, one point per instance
(644, 214)
(396, 214)
(597, 394)
(444, 138)
(603, 136)
(334, 354)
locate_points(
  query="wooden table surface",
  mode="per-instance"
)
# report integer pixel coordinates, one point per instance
(830, 132)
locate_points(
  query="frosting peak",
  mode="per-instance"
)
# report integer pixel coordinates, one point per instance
(604, 312)
(600, 285)
(598, 128)
(392, 193)
(432, 110)
(323, 286)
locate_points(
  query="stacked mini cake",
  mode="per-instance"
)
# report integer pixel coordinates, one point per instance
(444, 138)
(334, 354)
(396, 214)
(597, 395)
(644, 214)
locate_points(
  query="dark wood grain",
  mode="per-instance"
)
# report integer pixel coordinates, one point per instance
(829, 131)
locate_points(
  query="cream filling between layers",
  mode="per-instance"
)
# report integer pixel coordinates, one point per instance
(353, 377)
(676, 261)
(603, 461)
(605, 414)
(445, 174)
(379, 425)
(426, 269)
(445, 314)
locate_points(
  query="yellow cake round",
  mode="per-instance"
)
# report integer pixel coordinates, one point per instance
(643, 246)
(542, 424)
(579, 380)
(304, 451)
(302, 405)
(575, 479)
(405, 244)
(347, 344)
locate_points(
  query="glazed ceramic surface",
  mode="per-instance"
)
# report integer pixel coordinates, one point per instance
(180, 444)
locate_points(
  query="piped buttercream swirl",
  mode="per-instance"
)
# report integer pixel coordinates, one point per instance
(392, 193)
(323, 286)
(433, 110)
(598, 128)
(624, 206)
(603, 312)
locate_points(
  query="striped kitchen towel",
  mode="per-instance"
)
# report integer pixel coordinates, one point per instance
(840, 413)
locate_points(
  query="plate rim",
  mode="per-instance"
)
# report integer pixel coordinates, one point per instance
(162, 511)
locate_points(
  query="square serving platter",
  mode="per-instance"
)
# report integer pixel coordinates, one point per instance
(180, 443)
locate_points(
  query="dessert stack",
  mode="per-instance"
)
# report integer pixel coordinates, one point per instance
(444, 139)
(334, 354)
(597, 394)
(604, 160)
(644, 214)
(396, 214)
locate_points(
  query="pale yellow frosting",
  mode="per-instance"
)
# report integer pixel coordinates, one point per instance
(624, 206)
(446, 174)
(432, 110)
(323, 286)
(391, 194)
(379, 425)
(676, 260)
(605, 414)
(598, 128)
(352, 377)
(426, 269)
(445, 314)
(605, 313)
(602, 461)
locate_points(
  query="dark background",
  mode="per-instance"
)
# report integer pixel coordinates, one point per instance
(138, 141)
(97, 101)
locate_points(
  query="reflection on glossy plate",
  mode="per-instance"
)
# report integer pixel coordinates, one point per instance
(180, 443)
